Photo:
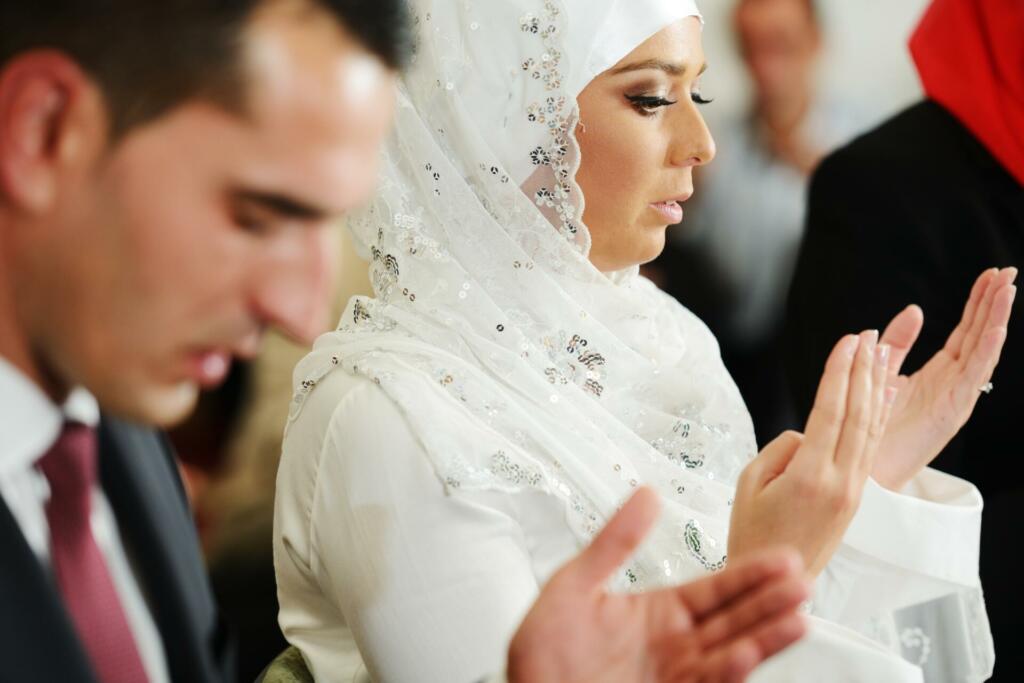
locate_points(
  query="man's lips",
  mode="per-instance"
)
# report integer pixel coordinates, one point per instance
(208, 368)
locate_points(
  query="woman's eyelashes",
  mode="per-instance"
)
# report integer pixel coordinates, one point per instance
(648, 105)
(700, 99)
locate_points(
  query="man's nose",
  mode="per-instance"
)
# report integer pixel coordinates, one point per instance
(294, 293)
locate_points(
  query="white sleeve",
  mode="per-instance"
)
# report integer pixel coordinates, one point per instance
(433, 587)
(900, 601)
(906, 574)
(931, 530)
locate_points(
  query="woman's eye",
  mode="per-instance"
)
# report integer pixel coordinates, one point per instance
(699, 99)
(648, 105)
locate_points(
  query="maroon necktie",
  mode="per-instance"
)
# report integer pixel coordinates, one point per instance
(78, 565)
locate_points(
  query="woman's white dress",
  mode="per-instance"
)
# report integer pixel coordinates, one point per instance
(434, 586)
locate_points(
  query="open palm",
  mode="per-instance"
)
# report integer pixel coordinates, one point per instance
(935, 402)
(714, 630)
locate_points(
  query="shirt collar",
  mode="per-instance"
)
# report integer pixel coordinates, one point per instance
(30, 422)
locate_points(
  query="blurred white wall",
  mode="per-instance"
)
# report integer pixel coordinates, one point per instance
(866, 59)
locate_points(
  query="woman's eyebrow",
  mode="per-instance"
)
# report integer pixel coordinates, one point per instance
(671, 68)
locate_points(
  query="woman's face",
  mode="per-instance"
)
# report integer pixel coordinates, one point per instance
(640, 136)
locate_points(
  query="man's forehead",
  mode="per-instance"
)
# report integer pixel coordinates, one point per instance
(306, 73)
(319, 102)
(292, 53)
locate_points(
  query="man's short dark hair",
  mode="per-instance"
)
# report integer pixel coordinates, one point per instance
(150, 55)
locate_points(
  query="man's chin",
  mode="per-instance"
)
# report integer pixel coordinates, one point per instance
(156, 406)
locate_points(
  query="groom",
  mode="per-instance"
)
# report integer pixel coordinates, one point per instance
(169, 172)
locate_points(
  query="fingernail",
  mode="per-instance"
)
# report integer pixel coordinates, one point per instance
(850, 345)
(882, 354)
(890, 395)
(868, 340)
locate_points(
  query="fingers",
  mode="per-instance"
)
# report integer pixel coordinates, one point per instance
(825, 421)
(901, 334)
(767, 640)
(956, 339)
(981, 322)
(999, 313)
(882, 395)
(710, 594)
(732, 665)
(614, 544)
(978, 369)
(774, 636)
(764, 605)
(734, 660)
(859, 410)
(892, 390)
(1002, 307)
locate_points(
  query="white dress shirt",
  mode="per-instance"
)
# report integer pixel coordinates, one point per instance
(29, 425)
(432, 587)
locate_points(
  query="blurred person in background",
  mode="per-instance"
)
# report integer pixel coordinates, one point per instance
(732, 259)
(169, 173)
(911, 212)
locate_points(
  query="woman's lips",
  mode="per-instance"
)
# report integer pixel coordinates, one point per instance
(671, 211)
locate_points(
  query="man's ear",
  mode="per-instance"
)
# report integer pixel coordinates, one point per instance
(52, 120)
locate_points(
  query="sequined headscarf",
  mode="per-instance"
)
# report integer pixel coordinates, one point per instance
(518, 364)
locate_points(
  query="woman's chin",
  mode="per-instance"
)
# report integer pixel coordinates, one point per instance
(655, 244)
(638, 252)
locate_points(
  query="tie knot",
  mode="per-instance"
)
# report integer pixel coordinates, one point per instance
(70, 464)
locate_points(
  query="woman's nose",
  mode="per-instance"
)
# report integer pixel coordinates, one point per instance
(694, 145)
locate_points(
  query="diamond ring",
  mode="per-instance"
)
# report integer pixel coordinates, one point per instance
(986, 388)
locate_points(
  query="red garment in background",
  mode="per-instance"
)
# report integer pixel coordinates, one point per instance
(970, 55)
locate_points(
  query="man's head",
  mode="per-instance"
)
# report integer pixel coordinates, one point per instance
(169, 173)
(780, 41)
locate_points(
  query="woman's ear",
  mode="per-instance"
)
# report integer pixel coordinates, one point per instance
(51, 115)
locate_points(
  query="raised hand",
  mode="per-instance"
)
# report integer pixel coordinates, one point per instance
(935, 402)
(802, 490)
(714, 630)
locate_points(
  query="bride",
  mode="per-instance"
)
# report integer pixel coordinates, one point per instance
(469, 428)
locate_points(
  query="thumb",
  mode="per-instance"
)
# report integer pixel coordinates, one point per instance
(900, 335)
(774, 458)
(614, 544)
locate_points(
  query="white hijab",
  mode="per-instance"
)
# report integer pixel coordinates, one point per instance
(517, 364)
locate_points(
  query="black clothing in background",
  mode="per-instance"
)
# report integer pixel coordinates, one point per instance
(913, 212)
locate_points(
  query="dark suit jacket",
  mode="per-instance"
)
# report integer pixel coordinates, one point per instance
(140, 478)
(912, 212)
